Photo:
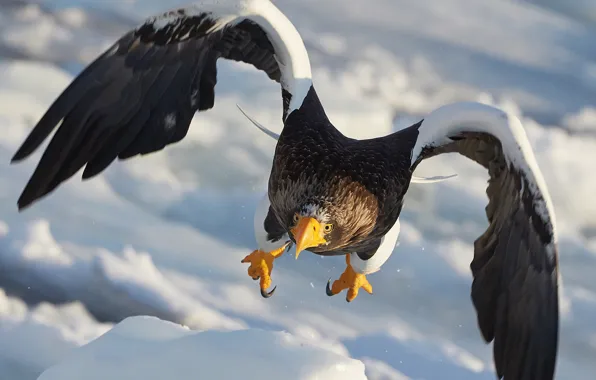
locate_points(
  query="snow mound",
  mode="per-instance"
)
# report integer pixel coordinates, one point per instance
(32, 339)
(149, 348)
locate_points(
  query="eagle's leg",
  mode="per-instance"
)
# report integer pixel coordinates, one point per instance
(361, 264)
(350, 280)
(272, 240)
(261, 264)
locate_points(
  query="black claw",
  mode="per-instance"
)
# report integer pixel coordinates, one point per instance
(328, 289)
(266, 294)
(256, 278)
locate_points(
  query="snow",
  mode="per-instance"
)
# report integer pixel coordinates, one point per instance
(581, 122)
(163, 235)
(582, 10)
(144, 348)
(33, 339)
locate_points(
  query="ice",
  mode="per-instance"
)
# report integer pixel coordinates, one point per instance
(163, 235)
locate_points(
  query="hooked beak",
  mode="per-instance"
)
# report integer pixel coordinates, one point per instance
(307, 234)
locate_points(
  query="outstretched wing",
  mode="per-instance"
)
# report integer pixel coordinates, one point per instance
(515, 266)
(142, 93)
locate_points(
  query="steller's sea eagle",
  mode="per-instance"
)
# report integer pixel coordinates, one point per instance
(327, 193)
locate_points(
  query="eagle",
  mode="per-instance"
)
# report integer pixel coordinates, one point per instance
(327, 193)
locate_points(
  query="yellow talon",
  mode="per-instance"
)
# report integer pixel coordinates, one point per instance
(261, 264)
(349, 280)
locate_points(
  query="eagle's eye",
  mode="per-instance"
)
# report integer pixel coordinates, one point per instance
(328, 228)
(296, 218)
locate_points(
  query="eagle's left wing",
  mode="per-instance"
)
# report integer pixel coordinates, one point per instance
(515, 266)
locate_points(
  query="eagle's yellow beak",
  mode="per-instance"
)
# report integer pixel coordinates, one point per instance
(307, 234)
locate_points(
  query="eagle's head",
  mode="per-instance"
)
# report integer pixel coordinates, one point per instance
(338, 218)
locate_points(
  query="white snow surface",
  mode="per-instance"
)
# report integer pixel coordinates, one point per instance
(163, 235)
(146, 348)
(32, 339)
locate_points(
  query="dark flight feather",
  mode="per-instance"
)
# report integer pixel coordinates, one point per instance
(138, 97)
(515, 266)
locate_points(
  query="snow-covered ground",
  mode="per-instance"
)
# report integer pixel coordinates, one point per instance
(163, 235)
(147, 348)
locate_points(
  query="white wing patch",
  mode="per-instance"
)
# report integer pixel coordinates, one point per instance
(259, 228)
(290, 52)
(452, 119)
(382, 254)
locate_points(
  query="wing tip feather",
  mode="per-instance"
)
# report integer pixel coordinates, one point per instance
(27, 148)
(26, 199)
(18, 157)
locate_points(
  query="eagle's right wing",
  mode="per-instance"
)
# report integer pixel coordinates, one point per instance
(142, 93)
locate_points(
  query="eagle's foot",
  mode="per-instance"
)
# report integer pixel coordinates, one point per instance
(349, 280)
(261, 264)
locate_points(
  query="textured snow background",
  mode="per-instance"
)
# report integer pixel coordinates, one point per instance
(145, 348)
(163, 235)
